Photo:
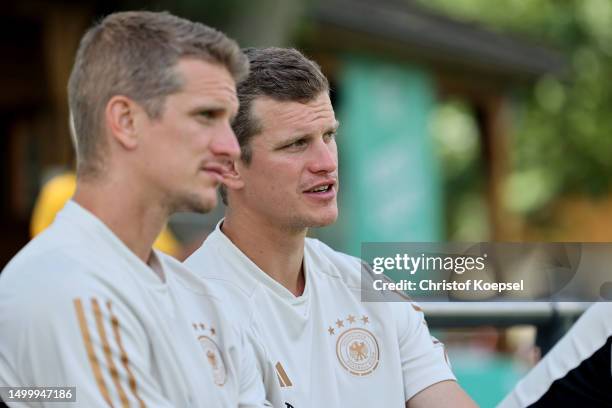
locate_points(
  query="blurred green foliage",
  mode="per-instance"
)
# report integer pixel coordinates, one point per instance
(562, 134)
(457, 141)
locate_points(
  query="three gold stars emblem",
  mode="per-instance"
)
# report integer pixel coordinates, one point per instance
(350, 320)
(202, 326)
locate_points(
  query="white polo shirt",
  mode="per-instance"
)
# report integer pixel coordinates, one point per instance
(79, 309)
(577, 372)
(325, 348)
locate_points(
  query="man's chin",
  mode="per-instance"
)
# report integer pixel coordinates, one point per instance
(197, 204)
(324, 220)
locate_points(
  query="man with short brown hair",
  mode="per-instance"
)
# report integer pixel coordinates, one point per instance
(317, 344)
(88, 303)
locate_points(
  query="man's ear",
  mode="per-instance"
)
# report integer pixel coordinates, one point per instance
(231, 177)
(123, 119)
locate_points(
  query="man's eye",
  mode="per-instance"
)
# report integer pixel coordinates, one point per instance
(297, 144)
(328, 137)
(209, 114)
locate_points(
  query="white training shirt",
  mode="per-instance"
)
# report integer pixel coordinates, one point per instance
(79, 309)
(325, 348)
(577, 372)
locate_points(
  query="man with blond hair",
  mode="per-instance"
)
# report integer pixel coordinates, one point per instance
(88, 303)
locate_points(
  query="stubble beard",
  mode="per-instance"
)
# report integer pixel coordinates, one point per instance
(304, 221)
(192, 202)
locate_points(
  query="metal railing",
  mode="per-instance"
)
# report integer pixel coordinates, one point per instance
(551, 319)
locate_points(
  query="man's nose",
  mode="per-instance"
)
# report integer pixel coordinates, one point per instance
(225, 143)
(324, 158)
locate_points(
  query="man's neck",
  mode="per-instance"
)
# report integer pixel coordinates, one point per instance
(124, 211)
(276, 251)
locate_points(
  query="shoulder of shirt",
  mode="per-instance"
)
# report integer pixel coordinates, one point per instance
(196, 282)
(350, 270)
(57, 259)
(334, 264)
(236, 300)
(46, 277)
(48, 251)
(211, 262)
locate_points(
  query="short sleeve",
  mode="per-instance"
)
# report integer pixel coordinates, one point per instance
(69, 330)
(423, 357)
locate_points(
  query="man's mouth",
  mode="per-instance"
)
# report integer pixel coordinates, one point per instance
(217, 171)
(320, 189)
(325, 190)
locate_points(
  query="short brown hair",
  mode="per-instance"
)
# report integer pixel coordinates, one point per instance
(134, 54)
(283, 74)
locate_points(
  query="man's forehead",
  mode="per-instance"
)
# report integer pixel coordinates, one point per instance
(273, 113)
(205, 85)
(198, 74)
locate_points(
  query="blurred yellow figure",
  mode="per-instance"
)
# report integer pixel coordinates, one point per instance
(60, 189)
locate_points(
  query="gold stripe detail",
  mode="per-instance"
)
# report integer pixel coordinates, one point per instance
(124, 357)
(108, 353)
(95, 365)
(280, 371)
(280, 380)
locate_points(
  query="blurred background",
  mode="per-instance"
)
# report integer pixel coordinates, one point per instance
(466, 120)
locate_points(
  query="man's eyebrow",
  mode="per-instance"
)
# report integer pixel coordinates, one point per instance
(334, 127)
(212, 107)
(291, 139)
(302, 135)
(330, 129)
